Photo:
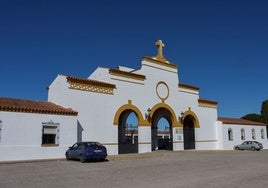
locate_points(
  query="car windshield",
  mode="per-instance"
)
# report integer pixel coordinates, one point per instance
(93, 144)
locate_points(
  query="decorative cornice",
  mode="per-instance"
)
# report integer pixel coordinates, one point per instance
(90, 85)
(186, 86)
(125, 74)
(207, 103)
(159, 62)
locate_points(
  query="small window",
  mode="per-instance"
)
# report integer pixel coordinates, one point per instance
(230, 134)
(262, 134)
(50, 134)
(253, 134)
(0, 130)
(243, 134)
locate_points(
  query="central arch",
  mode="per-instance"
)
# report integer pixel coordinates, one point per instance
(161, 139)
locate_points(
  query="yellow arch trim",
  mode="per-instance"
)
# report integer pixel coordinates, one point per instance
(174, 119)
(189, 112)
(130, 106)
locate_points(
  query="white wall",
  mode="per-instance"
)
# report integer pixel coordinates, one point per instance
(21, 137)
(97, 110)
(205, 136)
(229, 144)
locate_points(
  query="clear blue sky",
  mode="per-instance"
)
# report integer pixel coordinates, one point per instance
(219, 46)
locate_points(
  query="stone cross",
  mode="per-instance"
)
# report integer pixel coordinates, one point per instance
(160, 45)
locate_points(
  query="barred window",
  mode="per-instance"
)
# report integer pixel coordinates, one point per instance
(230, 134)
(243, 134)
(262, 134)
(253, 134)
(50, 134)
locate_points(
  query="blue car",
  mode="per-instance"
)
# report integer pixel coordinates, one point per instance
(86, 151)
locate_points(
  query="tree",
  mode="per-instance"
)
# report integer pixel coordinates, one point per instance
(264, 112)
(253, 117)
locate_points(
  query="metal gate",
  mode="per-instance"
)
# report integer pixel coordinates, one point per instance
(127, 139)
(188, 134)
(165, 141)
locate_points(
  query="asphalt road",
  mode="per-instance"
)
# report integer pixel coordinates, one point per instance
(200, 169)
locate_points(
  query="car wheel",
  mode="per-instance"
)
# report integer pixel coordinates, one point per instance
(102, 159)
(253, 148)
(67, 157)
(236, 148)
(82, 159)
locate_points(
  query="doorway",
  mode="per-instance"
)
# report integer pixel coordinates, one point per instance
(128, 132)
(188, 133)
(161, 130)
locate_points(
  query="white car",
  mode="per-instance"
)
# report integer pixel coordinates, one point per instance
(249, 145)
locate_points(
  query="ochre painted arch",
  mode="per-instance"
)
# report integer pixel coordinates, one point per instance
(175, 122)
(190, 113)
(130, 106)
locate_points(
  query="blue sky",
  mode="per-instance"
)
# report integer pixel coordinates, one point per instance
(219, 46)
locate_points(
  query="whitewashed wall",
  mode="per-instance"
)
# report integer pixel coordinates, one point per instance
(21, 136)
(206, 137)
(97, 110)
(229, 144)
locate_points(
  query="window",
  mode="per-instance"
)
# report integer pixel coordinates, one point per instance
(243, 135)
(253, 134)
(50, 133)
(0, 130)
(230, 134)
(262, 134)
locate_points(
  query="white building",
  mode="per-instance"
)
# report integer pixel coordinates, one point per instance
(104, 102)
(35, 130)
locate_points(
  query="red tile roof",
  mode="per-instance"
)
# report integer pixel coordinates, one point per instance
(239, 121)
(30, 106)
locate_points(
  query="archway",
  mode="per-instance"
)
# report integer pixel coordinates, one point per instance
(128, 132)
(161, 130)
(189, 132)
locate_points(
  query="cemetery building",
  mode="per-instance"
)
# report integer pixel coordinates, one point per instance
(121, 108)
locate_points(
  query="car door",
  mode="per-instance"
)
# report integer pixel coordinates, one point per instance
(244, 145)
(248, 146)
(73, 151)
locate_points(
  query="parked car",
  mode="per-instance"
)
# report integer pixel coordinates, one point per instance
(249, 145)
(86, 151)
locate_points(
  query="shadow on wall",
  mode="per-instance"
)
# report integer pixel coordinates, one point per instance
(79, 131)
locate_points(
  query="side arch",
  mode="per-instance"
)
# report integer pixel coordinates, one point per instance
(130, 106)
(193, 116)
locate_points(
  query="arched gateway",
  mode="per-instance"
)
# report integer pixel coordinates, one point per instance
(190, 122)
(152, 95)
(161, 139)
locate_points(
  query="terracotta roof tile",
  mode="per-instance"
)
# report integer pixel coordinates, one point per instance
(239, 121)
(30, 106)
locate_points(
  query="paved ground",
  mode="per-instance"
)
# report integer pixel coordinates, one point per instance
(200, 169)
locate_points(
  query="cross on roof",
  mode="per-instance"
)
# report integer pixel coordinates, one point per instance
(160, 45)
